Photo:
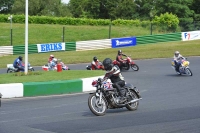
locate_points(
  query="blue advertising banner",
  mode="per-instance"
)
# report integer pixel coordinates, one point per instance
(123, 42)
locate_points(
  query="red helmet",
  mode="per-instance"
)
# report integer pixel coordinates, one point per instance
(94, 83)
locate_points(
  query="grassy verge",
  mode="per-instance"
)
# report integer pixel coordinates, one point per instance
(44, 33)
(48, 76)
(159, 50)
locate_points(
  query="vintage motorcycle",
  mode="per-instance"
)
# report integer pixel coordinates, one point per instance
(107, 97)
(184, 67)
(46, 67)
(128, 63)
(12, 69)
(100, 67)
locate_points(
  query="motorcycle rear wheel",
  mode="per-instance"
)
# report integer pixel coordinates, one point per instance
(132, 106)
(135, 67)
(97, 108)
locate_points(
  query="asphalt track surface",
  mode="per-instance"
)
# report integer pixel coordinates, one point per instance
(170, 104)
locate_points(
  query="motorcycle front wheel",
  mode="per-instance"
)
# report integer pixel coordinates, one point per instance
(10, 71)
(95, 106)
(188, 71)
(135, 67)
(132, 106)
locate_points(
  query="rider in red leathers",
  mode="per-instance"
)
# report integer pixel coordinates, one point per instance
(120, 59)
(95, 63)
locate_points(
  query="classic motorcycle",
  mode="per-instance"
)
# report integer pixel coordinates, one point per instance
(46, 67)
(184, 67)
(107, 97)
(100, 66)
(128, 63)
(12, 69)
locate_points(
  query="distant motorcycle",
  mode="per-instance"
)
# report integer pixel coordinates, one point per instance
(128, 63)
(46, 67)
(184, 67)
(106, 97)
(99, 67)
(11, 68)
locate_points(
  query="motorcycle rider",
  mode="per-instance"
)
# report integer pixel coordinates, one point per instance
(177, 60)
(95, 63)
(113, 73)
(18, 64)
(120, 59)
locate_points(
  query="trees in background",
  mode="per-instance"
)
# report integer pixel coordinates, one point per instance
(186, 10)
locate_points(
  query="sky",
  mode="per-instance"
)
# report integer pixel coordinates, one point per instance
(65, 1)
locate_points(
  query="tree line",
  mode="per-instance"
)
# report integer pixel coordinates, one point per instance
(187, 11)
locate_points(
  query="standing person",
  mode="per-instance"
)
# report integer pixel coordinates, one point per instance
(18, 64)
(120, 59)
(114, 74)
(177, 60)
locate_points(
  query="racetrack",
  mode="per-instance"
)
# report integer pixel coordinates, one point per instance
(171, 104)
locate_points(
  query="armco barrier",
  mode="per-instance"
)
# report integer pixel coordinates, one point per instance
(6, 50)
(158, 38)
(93, 44)
(21, 49)
(70, 46)
(51, 88)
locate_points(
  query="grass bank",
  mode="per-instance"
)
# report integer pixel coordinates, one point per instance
(49, 33)
(48, 76)
(159, 50)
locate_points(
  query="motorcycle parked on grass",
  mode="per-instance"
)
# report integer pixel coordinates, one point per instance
(107, 97)
(99, 67)
(184, 67)
(11, 68)
(128, 63)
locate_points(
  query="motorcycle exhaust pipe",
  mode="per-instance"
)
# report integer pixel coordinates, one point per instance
(133, 101)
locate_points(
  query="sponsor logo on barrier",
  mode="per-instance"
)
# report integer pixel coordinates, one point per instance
(193, 35)
(123, 42)
(50, 47)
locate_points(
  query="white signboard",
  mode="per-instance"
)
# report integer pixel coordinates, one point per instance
(50, 47)
(193, 35)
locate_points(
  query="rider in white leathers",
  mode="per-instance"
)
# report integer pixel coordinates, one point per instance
(177, 60)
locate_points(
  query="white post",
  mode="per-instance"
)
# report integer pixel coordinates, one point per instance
(26, 38)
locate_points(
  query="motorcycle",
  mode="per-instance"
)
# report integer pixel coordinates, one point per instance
(46, 67)
(99, 67)
(128, 63)
(107, 97)
(184, 67)
(12, 69)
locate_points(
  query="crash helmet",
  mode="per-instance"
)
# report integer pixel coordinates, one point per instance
(107, 63)
(176, 53)
(20, 58)
(94, 58)
(119, 52)
(51, 56)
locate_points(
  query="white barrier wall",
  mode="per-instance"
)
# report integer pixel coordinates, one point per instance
(93, 44)
(192, 35)
(6, 50)
(11, 90)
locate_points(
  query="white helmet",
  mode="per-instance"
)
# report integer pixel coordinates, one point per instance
(176, 53)
(52, 56)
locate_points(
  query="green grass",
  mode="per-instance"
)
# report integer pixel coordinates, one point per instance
(159, 50)
(49, 76)
(49, 33)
